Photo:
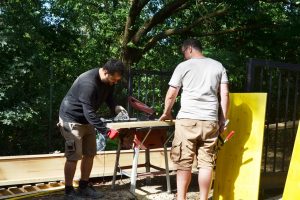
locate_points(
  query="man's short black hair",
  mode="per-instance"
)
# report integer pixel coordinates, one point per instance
(193, 43)
(114, 66)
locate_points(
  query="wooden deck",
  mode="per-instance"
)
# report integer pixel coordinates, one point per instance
(18, 173)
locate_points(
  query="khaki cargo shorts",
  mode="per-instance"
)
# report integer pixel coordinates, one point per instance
(194, 137)
(80, 139)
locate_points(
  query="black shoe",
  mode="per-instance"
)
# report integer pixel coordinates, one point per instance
(73, 195)
(90, 192)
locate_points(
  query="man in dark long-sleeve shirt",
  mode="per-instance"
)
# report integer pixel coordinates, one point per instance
(84, 98)
(78, 120)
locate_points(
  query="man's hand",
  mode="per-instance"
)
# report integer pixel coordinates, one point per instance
(223, 125)
(119, 109)
(112, 133)
(164, 117)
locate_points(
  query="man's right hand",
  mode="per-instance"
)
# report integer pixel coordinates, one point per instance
(164, 117)
(119, 109)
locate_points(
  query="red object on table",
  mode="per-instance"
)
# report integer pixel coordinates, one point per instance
(138, 105)
(155, 139)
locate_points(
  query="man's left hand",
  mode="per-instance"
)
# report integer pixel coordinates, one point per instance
(112, 133)
(223, 125)
(119, 109)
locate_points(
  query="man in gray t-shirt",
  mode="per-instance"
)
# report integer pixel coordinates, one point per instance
(199, 121)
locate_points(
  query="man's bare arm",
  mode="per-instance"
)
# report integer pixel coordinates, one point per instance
(224, 95)
(169, 102)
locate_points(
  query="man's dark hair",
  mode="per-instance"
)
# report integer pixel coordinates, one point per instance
(114, 66)
(193, 43)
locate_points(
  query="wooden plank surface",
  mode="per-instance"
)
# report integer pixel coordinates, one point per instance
(292, 185)
(283, 125)
(140, 124)
(49, 167)
(239, 160)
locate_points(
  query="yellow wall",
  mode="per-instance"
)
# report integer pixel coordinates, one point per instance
(292, 185)
(239, 160)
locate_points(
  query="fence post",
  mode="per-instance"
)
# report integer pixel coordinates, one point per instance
(250, 75)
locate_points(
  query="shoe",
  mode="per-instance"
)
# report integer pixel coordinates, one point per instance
(90, 192)
(73, 195)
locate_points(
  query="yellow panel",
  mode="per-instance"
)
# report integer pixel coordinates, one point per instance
(239, 160)
(292, 185)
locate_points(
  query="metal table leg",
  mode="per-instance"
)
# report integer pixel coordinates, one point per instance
(134, 170)
(135, 164)
(147, 163)
(167, 164)
(116, 164)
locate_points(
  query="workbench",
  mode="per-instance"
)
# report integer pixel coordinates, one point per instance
(149, 127)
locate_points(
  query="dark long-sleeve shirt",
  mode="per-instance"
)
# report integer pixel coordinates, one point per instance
(84, 98)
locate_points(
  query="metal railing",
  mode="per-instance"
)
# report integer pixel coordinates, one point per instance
(150, 87)
(281, 82)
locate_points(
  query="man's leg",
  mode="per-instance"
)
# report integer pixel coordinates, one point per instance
(183, 153)
(204, 181)
(183, 182)
(85, 189)
(86, 167)
(206, 156)
(73, 152)
(70, 168)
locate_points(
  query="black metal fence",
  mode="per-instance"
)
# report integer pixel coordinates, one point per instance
(281, 82)
(150, 87)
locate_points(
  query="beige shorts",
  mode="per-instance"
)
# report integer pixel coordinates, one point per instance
(194, 137)
(80, 139)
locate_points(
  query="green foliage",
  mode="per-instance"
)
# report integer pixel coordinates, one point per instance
(46, 44)
(111, 145)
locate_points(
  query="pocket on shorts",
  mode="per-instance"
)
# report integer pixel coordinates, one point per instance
(70, 146)
(210, 130)
(176, 150)
(213, 124)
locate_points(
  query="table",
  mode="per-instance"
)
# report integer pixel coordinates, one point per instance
(149, 126)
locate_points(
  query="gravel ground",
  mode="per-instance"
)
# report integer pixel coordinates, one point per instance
(155, 190)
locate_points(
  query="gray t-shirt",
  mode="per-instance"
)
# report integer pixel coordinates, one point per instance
(200, 79)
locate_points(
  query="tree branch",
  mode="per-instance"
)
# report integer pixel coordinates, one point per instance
(134, 13)
(159, 17)
(239, 29)
(152, 42)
